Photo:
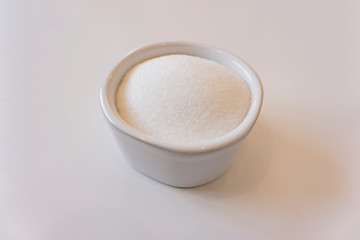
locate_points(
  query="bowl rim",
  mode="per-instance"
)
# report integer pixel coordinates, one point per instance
(237, 134)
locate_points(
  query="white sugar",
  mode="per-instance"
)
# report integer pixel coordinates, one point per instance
(181, 98)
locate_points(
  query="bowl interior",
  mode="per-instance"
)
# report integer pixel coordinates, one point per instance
(239, 66)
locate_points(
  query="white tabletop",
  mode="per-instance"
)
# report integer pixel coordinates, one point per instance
(63, 177)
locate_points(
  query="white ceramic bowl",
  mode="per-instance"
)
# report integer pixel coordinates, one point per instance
(180, 165)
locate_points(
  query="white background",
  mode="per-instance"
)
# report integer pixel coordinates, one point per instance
(63, 177)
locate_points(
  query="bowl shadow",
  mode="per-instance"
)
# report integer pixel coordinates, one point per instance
(277, 167)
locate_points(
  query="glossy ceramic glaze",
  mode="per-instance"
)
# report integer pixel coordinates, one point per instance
(180, 165)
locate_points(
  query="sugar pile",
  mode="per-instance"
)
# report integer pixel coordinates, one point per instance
(181, 98)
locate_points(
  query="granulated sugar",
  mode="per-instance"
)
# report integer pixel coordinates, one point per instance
(181, 98)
